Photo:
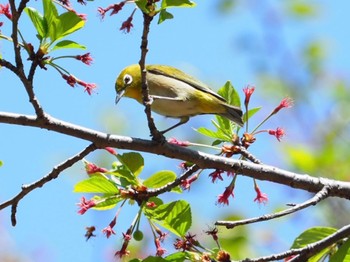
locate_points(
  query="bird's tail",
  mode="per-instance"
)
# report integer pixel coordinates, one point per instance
(234, 114)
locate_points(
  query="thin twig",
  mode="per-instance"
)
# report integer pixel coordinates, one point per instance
(18, 58)
(203, 160)
(244, 152)
(156, 135)
(169, 186)
(56, 171)
(8, 65)
(324, 193)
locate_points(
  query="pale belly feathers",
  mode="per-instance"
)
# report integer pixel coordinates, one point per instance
(179, 97)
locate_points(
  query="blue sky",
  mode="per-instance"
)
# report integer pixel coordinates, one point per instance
(201, 42)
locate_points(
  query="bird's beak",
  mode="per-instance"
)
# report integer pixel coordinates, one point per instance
(120, 93)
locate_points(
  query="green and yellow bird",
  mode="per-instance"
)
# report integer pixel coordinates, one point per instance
(174, 94)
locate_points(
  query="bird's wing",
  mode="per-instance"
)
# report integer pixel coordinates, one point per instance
(180, 76)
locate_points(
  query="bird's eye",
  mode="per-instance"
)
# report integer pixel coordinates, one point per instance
(127, 79)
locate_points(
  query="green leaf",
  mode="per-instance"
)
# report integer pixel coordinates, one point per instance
(1, 163)
(142, 4)
(251, 112)
(133, 161)
(160, 179)
(176, 189)
(343, 253)
(177, 3)
(224, 124)
(67, 44)
(96, 184)
(176, 257)
(69, 22)
(313, 235)
(149, 259)
(106, 201)
(213, 134)
(38, 21)
(127, 175)
(230, 94)
(217, 142)
(224, 127)
(51, 19)
(175, 216)
(164, 15)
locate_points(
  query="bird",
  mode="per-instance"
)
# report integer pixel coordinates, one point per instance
(174, 94)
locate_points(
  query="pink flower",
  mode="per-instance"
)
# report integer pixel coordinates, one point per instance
(278, 133)
(285, 103)
(127, 25)
(82, 2)
(186, 184)
(110, 150)
(117, 7)
(151, 204)
(91, 168)
(126, 236)
(185, 165)
(160, 251)
(214, 233)
(85, 205)
(108, 231)
(5, 10)
(230, 173)
(89, 87)
(82, 16)
(65, 2)
(260, 197)
(216, 175)
(86, 58)
(114, 7)
(71, 80)
(174, 141)
(223, 198)
(162, 235)
(248, 91)
(123, 252)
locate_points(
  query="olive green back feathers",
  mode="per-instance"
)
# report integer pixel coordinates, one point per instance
(174, 93)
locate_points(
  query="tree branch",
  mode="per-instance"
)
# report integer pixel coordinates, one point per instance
(50, 176)
(324, 193)
(9, 66)
(203, 160)
(156, 135)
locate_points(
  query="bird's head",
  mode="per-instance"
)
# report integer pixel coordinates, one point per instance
(128, 83)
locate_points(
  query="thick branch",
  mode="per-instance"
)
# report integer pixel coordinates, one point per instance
(52, 175)
(203, 160)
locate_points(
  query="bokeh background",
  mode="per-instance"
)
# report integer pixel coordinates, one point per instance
(284, 48)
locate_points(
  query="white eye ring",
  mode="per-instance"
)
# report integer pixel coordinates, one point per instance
(127, 79)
